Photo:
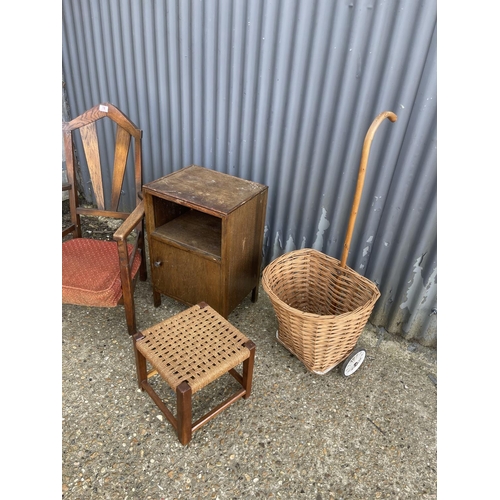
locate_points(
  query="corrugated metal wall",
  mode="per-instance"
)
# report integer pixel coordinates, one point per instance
(282, 92)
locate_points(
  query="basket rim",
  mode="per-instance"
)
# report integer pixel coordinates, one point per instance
(317, 253)
(326, 317)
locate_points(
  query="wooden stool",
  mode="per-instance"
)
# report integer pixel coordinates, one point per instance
(189, 351)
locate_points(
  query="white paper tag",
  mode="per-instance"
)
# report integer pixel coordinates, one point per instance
(103, 108)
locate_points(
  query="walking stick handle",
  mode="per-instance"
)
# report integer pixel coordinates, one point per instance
(361, 179)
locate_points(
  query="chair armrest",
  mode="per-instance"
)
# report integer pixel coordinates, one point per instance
(129, 223)
(66, 186)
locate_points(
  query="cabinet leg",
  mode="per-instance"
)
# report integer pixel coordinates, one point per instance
(255, 294)
(156, 298)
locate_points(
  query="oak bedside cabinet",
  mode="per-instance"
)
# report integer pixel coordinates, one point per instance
(205, 233)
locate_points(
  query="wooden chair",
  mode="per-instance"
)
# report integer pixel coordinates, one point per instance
(189, 351)
(97, 272)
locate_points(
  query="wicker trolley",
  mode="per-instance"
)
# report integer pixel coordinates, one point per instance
(321, 304)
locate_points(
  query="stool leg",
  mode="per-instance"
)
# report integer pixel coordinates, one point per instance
(248, 369)
(140, 362)
(184, 412)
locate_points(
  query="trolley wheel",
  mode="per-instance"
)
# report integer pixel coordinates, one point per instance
(353, 362)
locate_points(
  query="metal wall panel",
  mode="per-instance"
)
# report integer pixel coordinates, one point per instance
(282, 92)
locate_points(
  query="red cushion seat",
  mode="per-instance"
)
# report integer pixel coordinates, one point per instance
(91, 272)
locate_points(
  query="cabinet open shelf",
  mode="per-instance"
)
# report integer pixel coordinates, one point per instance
(195, 231)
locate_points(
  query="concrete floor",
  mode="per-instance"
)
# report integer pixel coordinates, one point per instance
(299, 435)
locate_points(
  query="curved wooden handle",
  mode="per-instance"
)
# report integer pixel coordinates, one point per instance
(361, 179)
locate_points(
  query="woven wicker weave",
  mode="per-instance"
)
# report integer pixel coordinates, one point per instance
(197, 345)
(321, 307)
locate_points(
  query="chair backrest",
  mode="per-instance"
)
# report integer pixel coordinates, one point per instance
(85, 124)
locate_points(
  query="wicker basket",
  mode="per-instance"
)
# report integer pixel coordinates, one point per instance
(321, 304)
(321, 307)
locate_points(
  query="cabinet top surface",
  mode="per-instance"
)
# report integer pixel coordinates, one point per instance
(202, 187)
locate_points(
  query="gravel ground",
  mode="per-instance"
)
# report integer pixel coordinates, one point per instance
(299, 435)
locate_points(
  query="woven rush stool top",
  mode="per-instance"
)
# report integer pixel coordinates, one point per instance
(197, 345)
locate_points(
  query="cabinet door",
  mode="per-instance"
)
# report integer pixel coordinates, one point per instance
(185, 275)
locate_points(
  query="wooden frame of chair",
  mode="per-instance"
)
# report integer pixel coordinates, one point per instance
(86, 124)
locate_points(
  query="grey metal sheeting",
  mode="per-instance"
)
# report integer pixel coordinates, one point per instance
(283, 93)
